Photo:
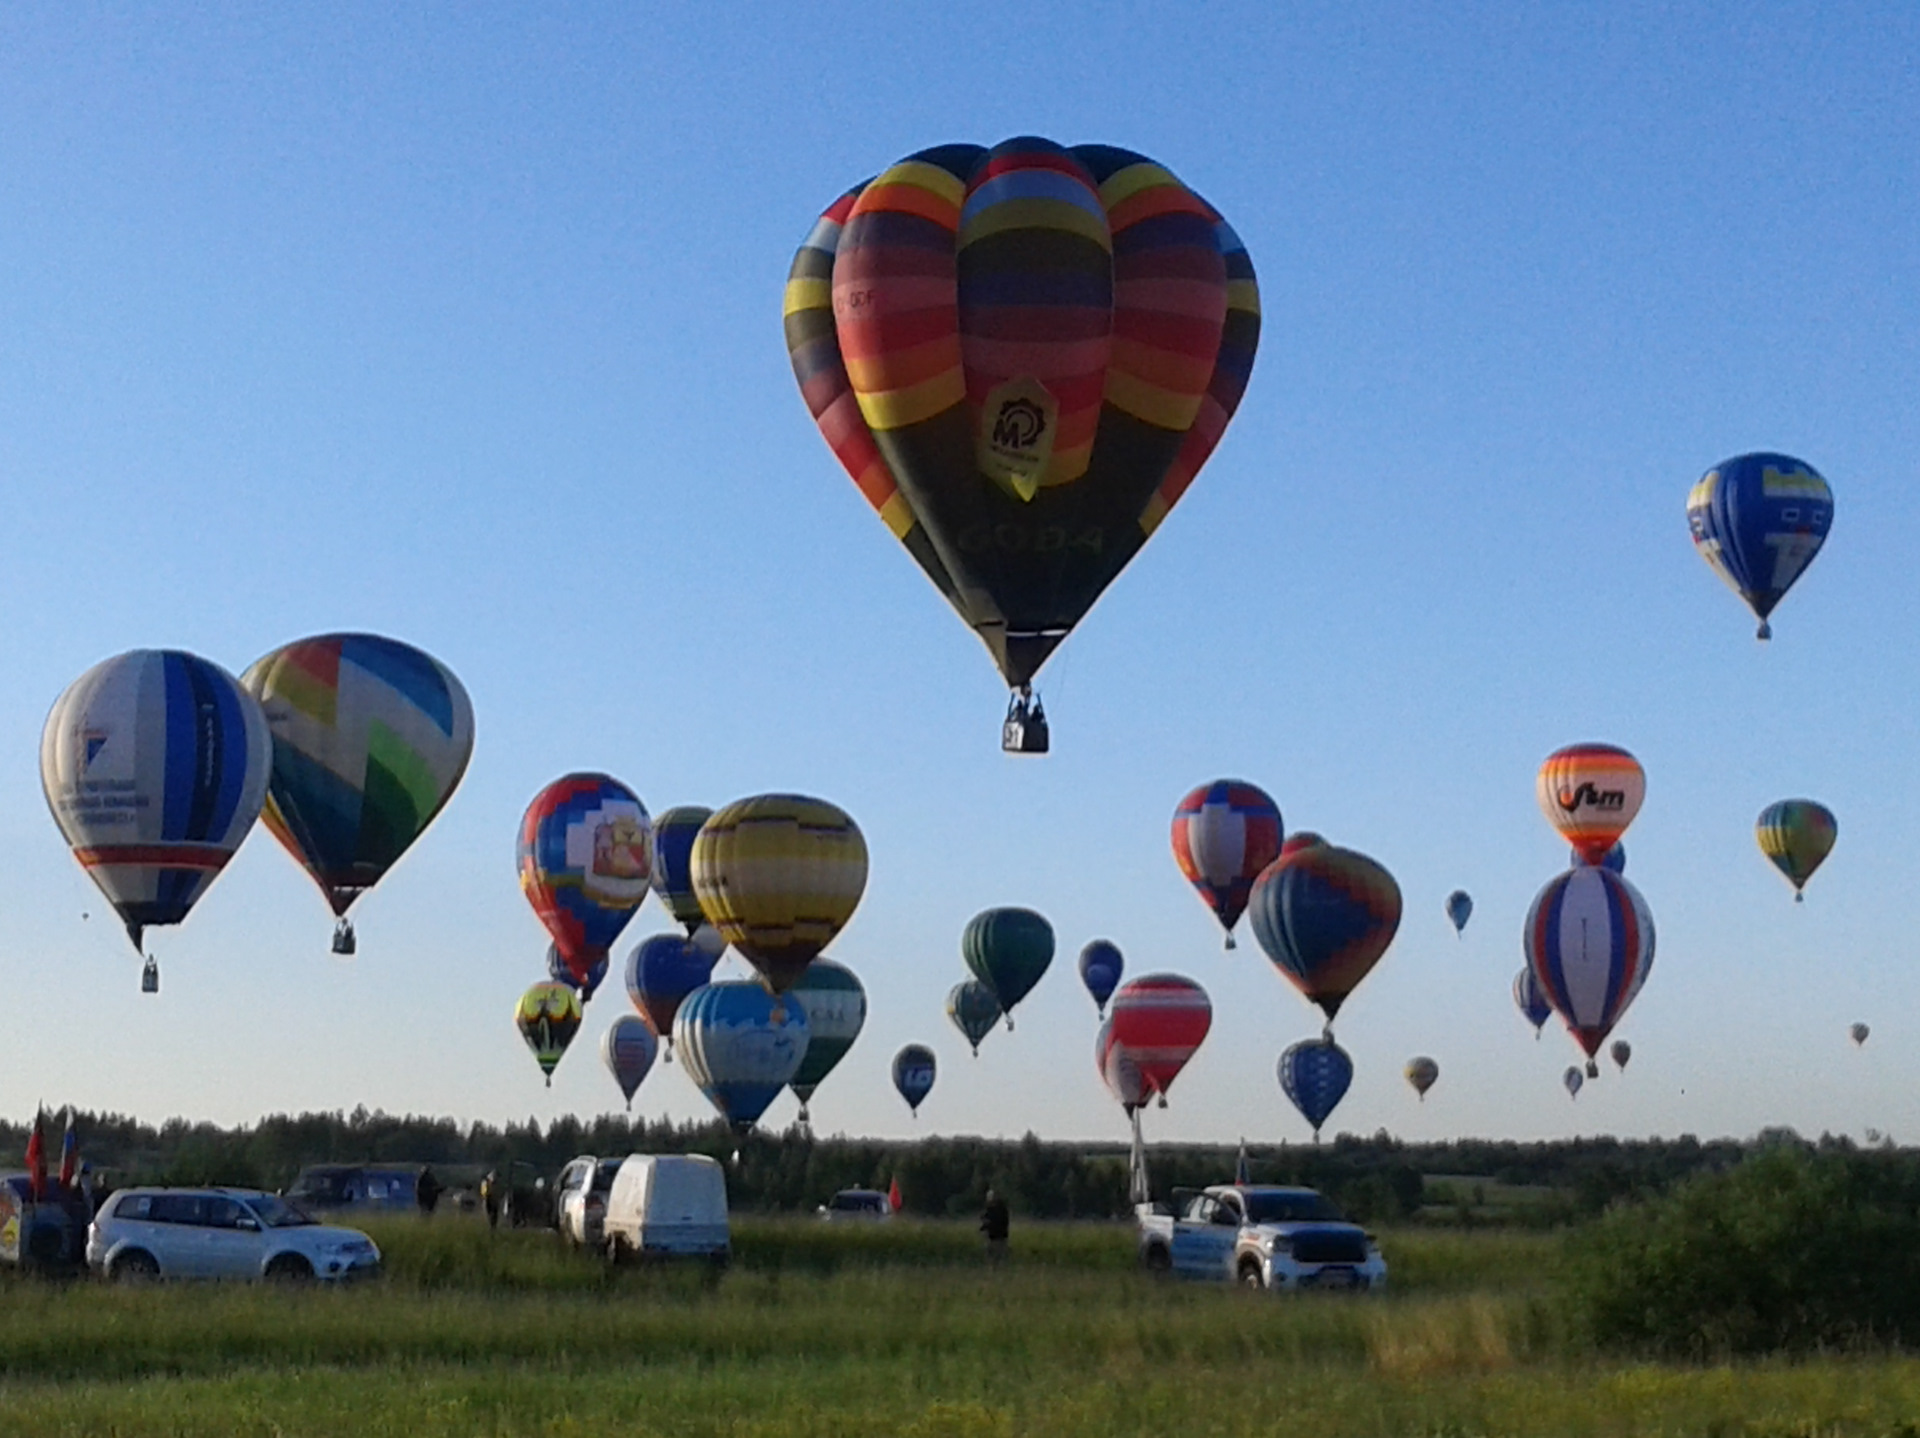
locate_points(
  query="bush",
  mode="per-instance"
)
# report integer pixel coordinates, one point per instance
(1790, 1250)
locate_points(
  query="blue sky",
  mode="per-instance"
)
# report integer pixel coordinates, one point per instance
(463, 325)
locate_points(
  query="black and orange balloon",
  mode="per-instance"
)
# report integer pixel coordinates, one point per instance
(1023, 356)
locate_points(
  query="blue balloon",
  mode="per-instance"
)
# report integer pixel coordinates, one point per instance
(1459, 909)
(1759, 519)
(1530, 1001)
(741, 1046)
(913, 1069)
(661, 971)
(1100, 969)
(1615, 859)
(558, 971)
(1315, 1073)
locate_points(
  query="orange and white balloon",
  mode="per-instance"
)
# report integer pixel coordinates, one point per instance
(1590, 793)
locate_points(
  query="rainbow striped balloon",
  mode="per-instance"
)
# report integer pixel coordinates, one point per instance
(1590, 793)
(1797, 835)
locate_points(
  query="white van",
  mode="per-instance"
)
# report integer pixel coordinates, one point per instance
(667, 1204)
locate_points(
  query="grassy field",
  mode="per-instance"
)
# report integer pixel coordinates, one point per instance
(894, 1330)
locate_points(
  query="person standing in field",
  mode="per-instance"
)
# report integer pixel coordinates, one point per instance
(994, 1223)
(426, 1190)
(490, 1197)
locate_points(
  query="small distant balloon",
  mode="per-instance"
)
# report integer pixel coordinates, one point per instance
(1758, 520)
(1797, 835)
(1530, 1001)
(1573, 1079)
(1859, 1033)
(1100, 969)
(1422, 1073)
(1315, 1075)
(548, 1016)
(973, 1010)
(1459, 909)
(1621, 1051)
(628, 1049)
(913, 1070)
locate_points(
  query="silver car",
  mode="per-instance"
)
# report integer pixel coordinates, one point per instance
(145, 1233)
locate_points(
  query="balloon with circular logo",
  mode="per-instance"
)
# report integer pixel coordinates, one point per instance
(1459, 909)
(1325, 915)
(779, 875)
(836, 1006)
(673, 834)
(661, 971)
(155, 766)
(558, 971)
(1797, 835)
(1589, 941)
(1422, 1073)
(1007, 950)
(1758, 520)
(973, 1010)
(1022, 355)
(1590, 793)
(913, 1070)
(1101, 966)
(586, 855)
(1157, 1023)
(741, 1046)
(1530, 1001)
(1315, 1075)
(628, 1049)
(1621, 1051)
(1224, 834)
(548, 1016)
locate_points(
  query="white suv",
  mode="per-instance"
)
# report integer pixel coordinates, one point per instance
(580, 1203)
(221, 1233)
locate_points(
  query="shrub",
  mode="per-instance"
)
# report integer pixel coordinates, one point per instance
(1789, 1250)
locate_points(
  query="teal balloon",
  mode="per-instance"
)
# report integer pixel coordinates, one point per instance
(973, 1009)
(1008, 950)
(836, 1007)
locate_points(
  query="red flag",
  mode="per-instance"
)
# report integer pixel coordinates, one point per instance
(69, 1152)
(893, 1196)
(37, 1161)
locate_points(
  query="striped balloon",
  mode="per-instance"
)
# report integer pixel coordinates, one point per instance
(1157, 1023)
(1325, 915)
(779, 875)
(1590, 793)
(1758, 520)
(628, 1049)
(1119, 1072)
(155, 766)
(1315, 1075)
(836, 1006)
(585, 858)
(1797, 835)
(1224, 834)
(741, 1046)
(673, 834)
(1589, 943)
(1530, 1001)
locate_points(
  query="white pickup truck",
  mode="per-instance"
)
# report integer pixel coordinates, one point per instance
(1261, 1237)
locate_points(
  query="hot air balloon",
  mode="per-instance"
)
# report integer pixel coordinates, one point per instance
(1459, 909)
(1120, 1072)
(586, 851)
(558, 971)
(1314, 1075)
(1007, 950)
(154, 764)
(1572, 1079)
(1530, 1001)
(1303, 839)
(1421, 1073)
(1797, 834)
(1100, 969)
(1023, 356)
(1859, 1033)
(370, 739)
(1325, 915)
(1589, 942)
(836, 1008)
(1224, 834)
(1156, 1024)
(673, 834)
(974, 1011)
(913, 1069)
(779, 875)
(548, 1016)
(1590, 793)
(1621, 1051)
(740, 1046)
(661, 971)
(1759, 519)
(1614, 859)
(628, 1049)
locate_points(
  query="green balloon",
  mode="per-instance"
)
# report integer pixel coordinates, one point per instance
(974, 1010)
(836, 1007)
(1008, 950)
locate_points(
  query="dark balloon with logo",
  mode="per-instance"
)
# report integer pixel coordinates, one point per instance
(1758, 520)
(1022, 355)
(913, 1071)
(1315, 1075)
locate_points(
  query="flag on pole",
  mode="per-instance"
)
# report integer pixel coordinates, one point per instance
(893, 1195)
(69, 1152)
(37, 1161)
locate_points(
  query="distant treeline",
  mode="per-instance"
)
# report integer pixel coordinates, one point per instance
(1376, 1179)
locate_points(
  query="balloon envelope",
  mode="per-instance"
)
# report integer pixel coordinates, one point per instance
(558, 971)
(913, 1070)
(1758, 520)
(836, 1006)
(370, 738)
(1007, 950)
(779, 875)
(1422, 1073)
(1859, 1033)
(1325, 915)
(741, 1045)
(1294, 843)
(1529, 1000)
(1797, 835)
(1589, 942)
(586, 852)
(973, 1010)
(1590, 793)
(1573, 1079)
(1314, 1075)
(661, 971)
(1621, 1051)
(1157, 1023)
(1614, 859)
(1224, 834)
(155, 766)
(1022, 356)
(673, 834)
(1101, 966)
(1459, 909)
(628, 1049)
(548, 1016)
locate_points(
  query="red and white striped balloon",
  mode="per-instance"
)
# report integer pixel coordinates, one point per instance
(1155, 1025)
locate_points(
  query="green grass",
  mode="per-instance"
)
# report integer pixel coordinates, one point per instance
(895, 1329)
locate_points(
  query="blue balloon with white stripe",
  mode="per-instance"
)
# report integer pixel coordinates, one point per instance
(1758, 520)
(1315, 1074)
(741, 1046)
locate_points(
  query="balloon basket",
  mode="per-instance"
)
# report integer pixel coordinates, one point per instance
(1024, 731)
(150, 977)
(1230, 944)
(1593, 1068)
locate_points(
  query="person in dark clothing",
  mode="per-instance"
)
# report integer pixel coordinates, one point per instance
(490, 1197)
(994, 1222)
(426, 1190)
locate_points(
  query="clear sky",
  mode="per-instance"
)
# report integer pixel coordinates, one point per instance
(462, 324)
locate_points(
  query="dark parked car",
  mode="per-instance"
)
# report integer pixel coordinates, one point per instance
(50, 1235)
(324, 1187)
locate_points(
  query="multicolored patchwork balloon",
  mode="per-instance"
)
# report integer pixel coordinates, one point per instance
(1007, 950)
(1325, 915)
(913, 1070)
(155, 766)
(779, 875)
(1797, 835)
(972, 1009)
(586, 854)
(370, 739)
(1023, 356)
(548, 1016)
(1157, 1024)
(661, 971)
(1315, 1075)
(1101, 966)
(1224, 834)
(836, 1006)
(741, 1046)
(1589, 943)
(1590, 793)
(1759, 519)
(628, 1049)
(673, 834)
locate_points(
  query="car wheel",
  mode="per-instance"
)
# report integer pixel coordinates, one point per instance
(289, 1268)
(1251, 1277)
(1157, 1261)
(134, 1266)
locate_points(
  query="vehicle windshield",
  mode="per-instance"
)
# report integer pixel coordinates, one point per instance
(857, 1202)
(278, 1213)
(1289, 1208)
(603, 1175)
